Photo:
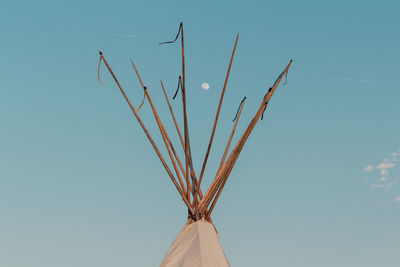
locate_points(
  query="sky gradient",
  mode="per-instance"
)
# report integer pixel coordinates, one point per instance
(315, 185)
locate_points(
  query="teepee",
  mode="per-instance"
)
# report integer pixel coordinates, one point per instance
(197, 245)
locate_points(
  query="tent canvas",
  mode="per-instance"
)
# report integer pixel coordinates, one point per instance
(196, 245)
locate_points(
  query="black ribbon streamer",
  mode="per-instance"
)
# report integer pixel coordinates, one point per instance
(266, 102)
(265, 107)
(179, 86)
(285, 72)
(237, 112)
(176, 38)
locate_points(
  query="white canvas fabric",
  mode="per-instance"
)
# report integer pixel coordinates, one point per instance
(197, 245)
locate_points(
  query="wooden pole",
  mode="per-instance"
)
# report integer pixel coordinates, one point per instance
(192, 172)
(230, 162)
(216, 117)
(182, 193)
(186, 130)
(232, 133)
(221, 187)
(167, 141)
(173, 116)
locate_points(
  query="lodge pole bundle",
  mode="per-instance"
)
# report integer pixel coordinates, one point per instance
(186, 250)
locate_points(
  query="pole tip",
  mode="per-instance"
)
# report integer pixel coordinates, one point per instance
(101, 53)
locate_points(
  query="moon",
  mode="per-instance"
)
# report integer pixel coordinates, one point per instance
(205, 86)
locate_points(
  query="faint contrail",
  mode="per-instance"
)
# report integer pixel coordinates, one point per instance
(351, 79)
(118, 35)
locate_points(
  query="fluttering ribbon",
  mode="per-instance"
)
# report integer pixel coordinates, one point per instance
(144, 98)
(237, 112)
(98, 68)
(179, 86)
(177, 35)
(285, 72)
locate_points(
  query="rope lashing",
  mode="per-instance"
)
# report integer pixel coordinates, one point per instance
(179, 86)
(237, 112)
(144, 98)
(285, 82)
(285, 72)
(98, 68)
(176, 38)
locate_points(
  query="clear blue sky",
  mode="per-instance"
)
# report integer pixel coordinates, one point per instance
(316, 184)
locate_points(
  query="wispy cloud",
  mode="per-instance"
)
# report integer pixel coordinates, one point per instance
(385, 165)
(351, 79)
(385, 186)
(397, 199)
(384, 172)
(383, 179)
(386, 180)
(120, 35)
(368, 168)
